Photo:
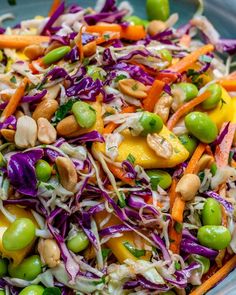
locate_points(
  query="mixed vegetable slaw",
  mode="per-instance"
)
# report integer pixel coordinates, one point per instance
(117, 163)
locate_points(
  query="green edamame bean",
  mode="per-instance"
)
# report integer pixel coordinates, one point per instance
(2, 292)
(211, 213)
(189, 142)
(28, 269)
(159, 177)
(190, 90)
(201, 126)
(135, 20)
(157, 9)
(19, 234)
(166, 55)
(43, 170)
(78, 243)
(32, 290)
(151, 123)
(205, 262)
(214, 99)
(56, 54)
(216, 237)
(213, 169)
(3, 267)
(84, 114)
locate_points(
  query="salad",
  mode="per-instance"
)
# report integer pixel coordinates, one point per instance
(117, 152)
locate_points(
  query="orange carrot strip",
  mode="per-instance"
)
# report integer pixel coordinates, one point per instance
(78, 42)
(21, 41)
(119, 173)
(186, 108)
(103, 28)
(179, 204)
(172, 193)
(229, 85)
(112, 126)
(14, 100)
(153, 95)
(147, 70)
(107, 37)
(133, 33)
(215, 278)
(167, 77)
(54, 7)
(223, 149)
(190, 59)
(175, 239)
(185, 40)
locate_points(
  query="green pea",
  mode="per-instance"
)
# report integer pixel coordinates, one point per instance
(56, 54)
(3, 267)
(190, 90)
(151, 123)
(28, 269)
(159, 177)
(216, 237)
(32, 290)
(157, 9)
(201, 126)
(214, 99)
(78, 243)
(205, 262)
(166, 55)
(84, 114)
(213, 169)
(189, 142)
(19, 234)
(94, 72)
(43, 170)
(211, 213)
(135, 20)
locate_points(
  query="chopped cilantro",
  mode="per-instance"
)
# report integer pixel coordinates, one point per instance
(201, 175)
(178, 227)
(121, 201)
(105, 253)
(86, 61)
(120, 77)
(131, 158)
(136, 252)
(177, 265)
(13, 79)
(63, 111)
(52, 291)
(135, 87)
(195, 77)
(106, 37)
(222, 103)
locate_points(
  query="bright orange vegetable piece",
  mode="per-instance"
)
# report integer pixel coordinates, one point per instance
(54, 7)
(21, 41)
(229, 85)
(78, 42)
(186, 108)
(104, 38)
(120, 174)
(153, 95)
(14, 100)
(190, 59)
(103, 28)
(133, 33)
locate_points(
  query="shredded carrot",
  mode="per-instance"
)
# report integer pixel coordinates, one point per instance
(229, 85)
(185, 40)
(153, 95)
(21, 41)
(133, 33)
(179, 204)
(175, 239)
(119, 173)
(190, 59)
(172, 193)
(107, 37)
(223, 149)
(103, 28)
(146, 69)
(112, 126)
(54, 7)
(209, 151)
(215, 278)
(167, 77)
(78, 42)
(14, 100)
(186, 108)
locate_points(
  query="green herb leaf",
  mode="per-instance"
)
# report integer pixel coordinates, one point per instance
(136, 252)
(120, 77)
(201, 175)
(131, 158)
(135, 87)
(177, 265)
(121, 201)
(52, 291)
(63, 111)
(105, 253)
(13, 79)
(86, 61)
(178, 227)
(222, 103)
(106, 37)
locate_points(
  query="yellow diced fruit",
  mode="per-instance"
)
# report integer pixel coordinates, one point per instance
(144, 155)
(224, 111)
(117, 244)
(16, 256)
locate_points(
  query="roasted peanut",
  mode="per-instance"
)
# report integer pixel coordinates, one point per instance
(26, 132)
(53, 45)
(162, 107)
(33, 51)
(67, 173)
(19, 114)
(90, 48)
(188, 186)
(8, 134)
(49, 252)
(47, 134)
(53, 92)
(160, 145)
(67, 126)
(133, 88)
(155, 27)
(45, 109)
(204, 162)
